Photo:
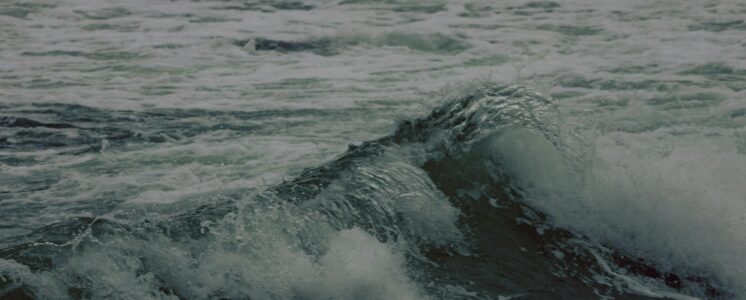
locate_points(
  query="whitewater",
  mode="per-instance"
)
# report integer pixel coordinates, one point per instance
(367, 149)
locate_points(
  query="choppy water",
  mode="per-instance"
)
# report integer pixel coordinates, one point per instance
(217, 149)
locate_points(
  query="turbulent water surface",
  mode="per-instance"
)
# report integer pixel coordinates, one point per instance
(364, 149)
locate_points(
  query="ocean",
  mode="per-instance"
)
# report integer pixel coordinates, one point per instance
(372, 149)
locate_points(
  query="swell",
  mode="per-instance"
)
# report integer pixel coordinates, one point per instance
(432, 189)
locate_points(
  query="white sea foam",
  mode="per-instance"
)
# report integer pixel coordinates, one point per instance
(674, 200)
(354, 265)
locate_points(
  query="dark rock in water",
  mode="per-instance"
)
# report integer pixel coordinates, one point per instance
(322, 46)
(268, 5)
(291, 46)
(433, 43)
(543, 4)
(291, 5)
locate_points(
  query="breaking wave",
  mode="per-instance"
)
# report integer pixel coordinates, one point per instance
(492, 195)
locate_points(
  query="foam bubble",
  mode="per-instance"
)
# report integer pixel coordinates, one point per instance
(354, 265)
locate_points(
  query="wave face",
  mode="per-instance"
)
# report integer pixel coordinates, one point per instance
(488, 197)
